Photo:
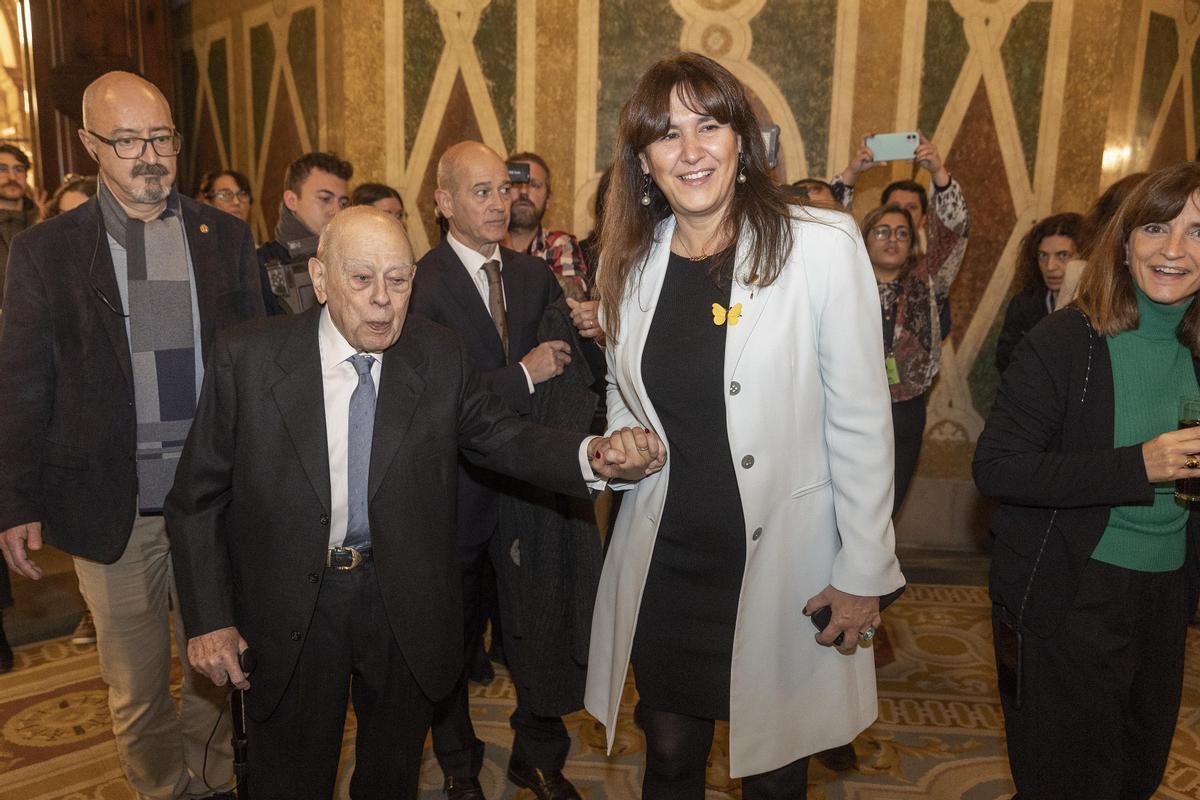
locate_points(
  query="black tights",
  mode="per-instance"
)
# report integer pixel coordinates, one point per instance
(677, 756)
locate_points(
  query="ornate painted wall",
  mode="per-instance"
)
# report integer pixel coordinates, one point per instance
(1036, 104)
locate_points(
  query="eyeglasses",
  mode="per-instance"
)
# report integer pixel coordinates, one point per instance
(132, 147)
(228, 196)
(20, 170)
(881, 233)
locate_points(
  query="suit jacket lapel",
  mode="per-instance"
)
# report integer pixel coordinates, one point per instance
(203, 248)
(89, 248)
(400, 385)
(466, 295)
(517, 300)
(753, 300)
(300, 397)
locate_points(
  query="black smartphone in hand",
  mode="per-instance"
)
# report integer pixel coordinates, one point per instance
(823, 615)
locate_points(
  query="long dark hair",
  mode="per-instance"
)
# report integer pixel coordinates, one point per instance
(1029, 274)
(759, 205)
(1106, 293)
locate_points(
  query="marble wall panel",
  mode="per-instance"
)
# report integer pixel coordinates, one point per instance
(1074, 94)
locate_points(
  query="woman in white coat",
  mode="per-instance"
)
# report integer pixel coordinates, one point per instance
(746, 332)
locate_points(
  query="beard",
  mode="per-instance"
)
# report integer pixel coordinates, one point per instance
(524, 216)
(153, 188)
(11, 189)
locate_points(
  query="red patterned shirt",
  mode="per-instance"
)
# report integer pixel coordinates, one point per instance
(561, 251)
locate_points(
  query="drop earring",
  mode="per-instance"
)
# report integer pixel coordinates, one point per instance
(646, 189)
(741, 178)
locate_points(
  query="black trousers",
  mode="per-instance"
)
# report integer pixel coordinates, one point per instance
(908, 422)
(6, 598)
(541, 742)
(1099, 700)
(348, 650)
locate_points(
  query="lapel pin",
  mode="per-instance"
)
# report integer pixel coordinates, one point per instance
(203, 227)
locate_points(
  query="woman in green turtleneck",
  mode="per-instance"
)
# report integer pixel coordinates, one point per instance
(1095, 568)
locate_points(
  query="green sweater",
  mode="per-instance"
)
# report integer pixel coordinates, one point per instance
(1151, 371)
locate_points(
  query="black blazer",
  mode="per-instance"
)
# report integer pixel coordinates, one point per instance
(1047, 453)
(443, 292)
(1026, 309)
(249, 513)
(68, 426)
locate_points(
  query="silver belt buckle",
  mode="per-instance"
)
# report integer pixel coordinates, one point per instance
(355, 558)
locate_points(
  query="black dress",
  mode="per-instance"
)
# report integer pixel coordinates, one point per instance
(682, 649)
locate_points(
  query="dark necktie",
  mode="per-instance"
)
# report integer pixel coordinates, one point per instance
(358, 454)
(496, 302)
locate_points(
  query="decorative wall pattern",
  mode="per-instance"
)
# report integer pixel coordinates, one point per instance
(1036, 105)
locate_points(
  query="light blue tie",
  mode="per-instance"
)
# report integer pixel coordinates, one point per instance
(358, 454)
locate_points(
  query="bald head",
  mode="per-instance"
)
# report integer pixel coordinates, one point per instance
(355, 221)
(461, 158)
(115, 90)
(474, 195)
(363, 273)
(127, 129)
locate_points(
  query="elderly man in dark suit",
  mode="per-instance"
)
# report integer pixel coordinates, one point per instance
(109, 311)
(312, 517)
(495, 299)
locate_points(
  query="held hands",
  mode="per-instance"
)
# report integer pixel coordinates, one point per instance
(15, 541)
(215, 654)
(929, 159)
(852, 615)
(629, 454)
(1167, 455)
(547, 360)
(583, 315)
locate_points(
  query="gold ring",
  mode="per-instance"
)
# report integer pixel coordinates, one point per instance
(1192, 462)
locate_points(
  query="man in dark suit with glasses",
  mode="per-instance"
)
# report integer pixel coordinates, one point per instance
(109, 311)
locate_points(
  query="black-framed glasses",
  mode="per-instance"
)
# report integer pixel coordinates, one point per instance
(228, 196)
(881, 233)
(132, 147)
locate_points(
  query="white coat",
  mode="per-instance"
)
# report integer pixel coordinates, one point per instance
(810, 435)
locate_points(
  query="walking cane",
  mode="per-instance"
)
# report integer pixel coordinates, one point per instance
(237, 703)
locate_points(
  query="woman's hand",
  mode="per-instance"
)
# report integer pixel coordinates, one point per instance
(1166, 455)
(584, 314)
(929, 159)
(853, 615)
(863, 160)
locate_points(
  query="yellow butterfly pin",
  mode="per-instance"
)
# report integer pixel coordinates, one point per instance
(720, 314)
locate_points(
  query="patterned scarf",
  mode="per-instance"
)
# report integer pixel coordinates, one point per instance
(162, 340)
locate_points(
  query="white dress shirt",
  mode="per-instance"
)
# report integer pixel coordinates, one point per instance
(339, 379)
(473, 261)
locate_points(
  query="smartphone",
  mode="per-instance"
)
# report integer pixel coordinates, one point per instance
(518, 171)
(900, 146)
(822, 616)
(770, 135)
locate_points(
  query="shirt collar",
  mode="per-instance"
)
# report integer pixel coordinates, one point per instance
(333, 346)
(472, 259)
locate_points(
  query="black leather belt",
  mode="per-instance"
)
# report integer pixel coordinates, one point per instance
(347, 558)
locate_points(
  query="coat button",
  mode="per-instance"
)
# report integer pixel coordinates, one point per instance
(757, 534)
(747, 462)
(324, 519)
(313, 577)
(295, 636)
(734, 387)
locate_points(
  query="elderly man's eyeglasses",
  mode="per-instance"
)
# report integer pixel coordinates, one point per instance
(228, 196)
(881, 233)
(131, 147)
